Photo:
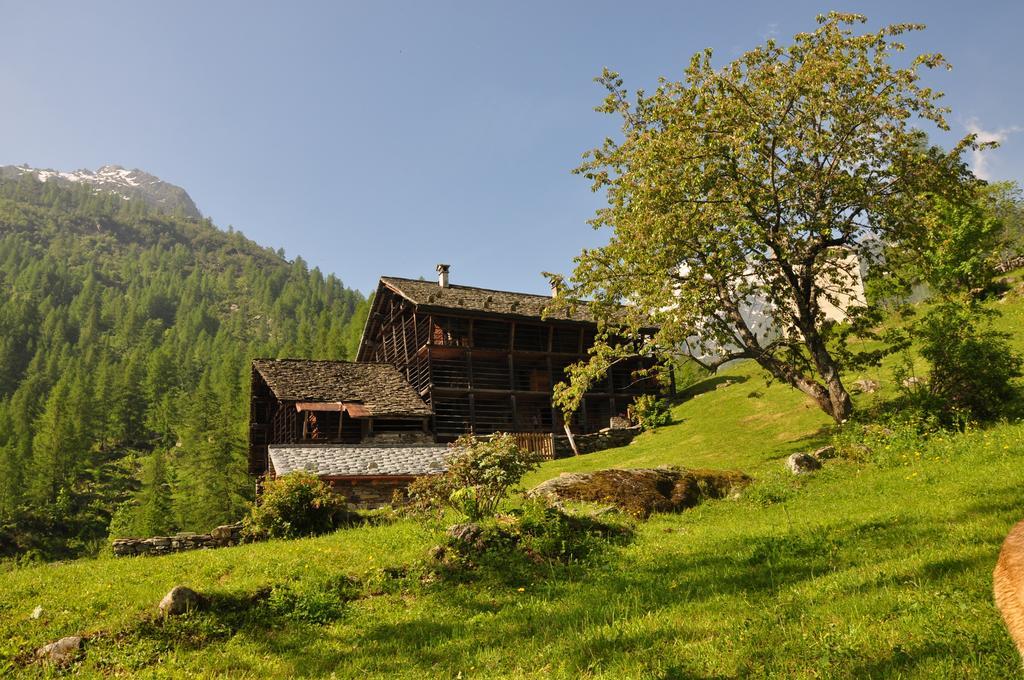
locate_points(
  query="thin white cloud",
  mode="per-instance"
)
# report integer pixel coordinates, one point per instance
(979, 157)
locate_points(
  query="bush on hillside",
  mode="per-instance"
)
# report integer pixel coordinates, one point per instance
(649, 412)
(972, 365)
(297, 504)
(481, 473)
(512, 547)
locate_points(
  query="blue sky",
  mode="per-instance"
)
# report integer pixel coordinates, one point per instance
(381, 138)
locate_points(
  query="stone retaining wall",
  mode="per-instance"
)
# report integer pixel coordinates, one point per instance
(608, 438)
(368, 494)
(1010, 264)
(222, 536)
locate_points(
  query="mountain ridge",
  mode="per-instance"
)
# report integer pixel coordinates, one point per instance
(129, 184)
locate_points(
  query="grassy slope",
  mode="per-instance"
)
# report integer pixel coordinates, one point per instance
(857, 571)
(734, 420)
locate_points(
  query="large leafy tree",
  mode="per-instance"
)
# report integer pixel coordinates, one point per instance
(749, 196)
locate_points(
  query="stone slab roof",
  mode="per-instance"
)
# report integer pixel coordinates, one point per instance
(471, 299)
(359, 461)
(381, 388)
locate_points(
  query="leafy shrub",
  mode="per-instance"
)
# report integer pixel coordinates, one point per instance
(481, 473)
(888, 439)
(649, 412)
(556, 535)
(512, 547)
(972, 364)
(319, 601)
(297, 504)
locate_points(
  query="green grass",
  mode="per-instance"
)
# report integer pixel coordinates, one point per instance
(861, 570)
(733, 420)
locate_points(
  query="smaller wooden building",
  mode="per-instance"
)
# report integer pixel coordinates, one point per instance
(299, 402)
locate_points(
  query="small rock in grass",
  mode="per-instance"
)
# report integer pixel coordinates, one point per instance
(802, 463)
(180, 600)
(37, 612)
(866, 385)
(60, 652)
(465, 533)
(825, 453)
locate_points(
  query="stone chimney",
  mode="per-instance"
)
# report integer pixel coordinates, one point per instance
(554, 290)
(442, 275)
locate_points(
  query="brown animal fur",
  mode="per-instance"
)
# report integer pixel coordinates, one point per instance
(1008, 584)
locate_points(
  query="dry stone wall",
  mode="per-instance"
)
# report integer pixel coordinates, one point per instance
(222, 536)
(368, 495)
(608, 438)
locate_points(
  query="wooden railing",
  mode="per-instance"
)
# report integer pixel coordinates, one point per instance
(541, 443)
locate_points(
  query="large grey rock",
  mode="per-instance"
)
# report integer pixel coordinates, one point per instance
(802, 463)
(60, 652)
(641, 491)
(180, 600)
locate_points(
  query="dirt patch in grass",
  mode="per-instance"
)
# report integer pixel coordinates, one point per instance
(641, 492)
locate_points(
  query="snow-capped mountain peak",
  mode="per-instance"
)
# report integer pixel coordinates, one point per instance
(128, 184)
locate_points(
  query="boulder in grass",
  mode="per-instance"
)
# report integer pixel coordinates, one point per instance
(802, 463)
(60, 652)
(181, 600)
(641, 492)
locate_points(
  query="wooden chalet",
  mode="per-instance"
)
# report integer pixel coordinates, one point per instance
(298, 402)
(485, 361)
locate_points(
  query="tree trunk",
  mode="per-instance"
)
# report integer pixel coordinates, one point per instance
(832, 398)
(572, 440)
(840, 404)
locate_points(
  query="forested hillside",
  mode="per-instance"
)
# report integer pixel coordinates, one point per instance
(125, 341)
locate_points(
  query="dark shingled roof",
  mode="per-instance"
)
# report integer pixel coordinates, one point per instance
(379, 387)
(470, 299)
(358, 461)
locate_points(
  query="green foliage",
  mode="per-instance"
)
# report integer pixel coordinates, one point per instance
(125, 342)
(297, 504)
(893, 439)
(1004, 202)
(527, 542)
(747, 182)
(650, 412)
(557, 535)
(956, 248)
(972, 364)
(480, 474)
(316, 600)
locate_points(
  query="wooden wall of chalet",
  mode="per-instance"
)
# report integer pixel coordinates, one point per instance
(484, 373)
